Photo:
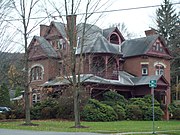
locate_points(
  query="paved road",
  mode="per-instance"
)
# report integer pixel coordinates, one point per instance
(27, 132)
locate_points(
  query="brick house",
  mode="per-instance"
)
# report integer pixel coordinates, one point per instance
(109, 63)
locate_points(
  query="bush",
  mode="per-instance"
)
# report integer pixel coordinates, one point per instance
(45, 109)
(158, 113)
(174, 109)
(134, 112)
(176, 114)
(120, 111)
(115, 97)
(96, 111)
(2, 116)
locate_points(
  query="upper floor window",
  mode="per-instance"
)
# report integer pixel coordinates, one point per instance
(144, 70)
(36, 73)
(159, 69)
(114, 38)
(98, 64)
(157, 47)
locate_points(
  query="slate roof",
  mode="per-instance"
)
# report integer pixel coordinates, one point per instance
(46, 47)
(97, 43)
(125, 80)
(61, 28)
(108, 31)
(138, 46)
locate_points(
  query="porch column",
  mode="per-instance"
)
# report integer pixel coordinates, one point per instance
(106, 66)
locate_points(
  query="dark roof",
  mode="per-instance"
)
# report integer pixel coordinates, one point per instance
(125, 80)
(46, 47)
(97, 43)
(144, 80)
(108, 31)
(61, 28)
(139, 46)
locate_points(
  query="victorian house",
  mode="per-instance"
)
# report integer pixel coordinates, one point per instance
(109, 63)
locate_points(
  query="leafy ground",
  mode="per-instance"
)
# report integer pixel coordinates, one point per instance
(168, 127)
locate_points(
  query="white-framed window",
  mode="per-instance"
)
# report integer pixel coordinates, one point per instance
(159, 69)
(36, 73)
(36, 98)
(144, 70)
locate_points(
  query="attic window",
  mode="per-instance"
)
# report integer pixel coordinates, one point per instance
(157, 47)
(114, 38)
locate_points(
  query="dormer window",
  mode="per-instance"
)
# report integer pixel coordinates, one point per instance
(114, 38)
(157, 47)
(61, 44)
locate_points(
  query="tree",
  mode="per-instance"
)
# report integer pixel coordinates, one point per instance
(169, 27)
(71, 61)
(25, 10)
(4, 95)
(123, 29)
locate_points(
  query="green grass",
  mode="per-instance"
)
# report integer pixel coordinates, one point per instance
(170, 127)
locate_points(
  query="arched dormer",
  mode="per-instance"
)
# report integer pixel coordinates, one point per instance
(115, 38)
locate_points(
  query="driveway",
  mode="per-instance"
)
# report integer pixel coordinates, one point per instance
(28, 132)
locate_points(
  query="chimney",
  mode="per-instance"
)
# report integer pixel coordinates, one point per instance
(151, 32)
(71, 29)
(43, 30)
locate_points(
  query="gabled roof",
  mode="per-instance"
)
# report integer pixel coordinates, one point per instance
(144, 80)
(46, 47)
(138, 46)
(107, 32)
(61, 28)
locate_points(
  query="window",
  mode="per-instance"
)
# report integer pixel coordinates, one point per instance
(114, 38)
(36, 73)
(98, 64)
(159, 69)
(35, 98)
(61, 44)
(144, 70)
(157, 47)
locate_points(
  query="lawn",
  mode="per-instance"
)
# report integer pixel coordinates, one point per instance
(171, 127)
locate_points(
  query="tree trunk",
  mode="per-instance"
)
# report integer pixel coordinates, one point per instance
(76, 108)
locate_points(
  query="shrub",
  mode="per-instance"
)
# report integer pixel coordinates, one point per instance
(148, 100)
(133, 112)
(176, 114)
(96, 111)
(2, 116)
(45, 109)
(158, 113)
(115, 97)
(120, 111)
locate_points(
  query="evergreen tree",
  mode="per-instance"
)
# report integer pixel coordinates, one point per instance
(4, 95)
(168, 23)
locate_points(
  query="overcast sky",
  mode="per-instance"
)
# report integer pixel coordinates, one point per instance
(136, 20)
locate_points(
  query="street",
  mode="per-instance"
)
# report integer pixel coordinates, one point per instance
(28, 132)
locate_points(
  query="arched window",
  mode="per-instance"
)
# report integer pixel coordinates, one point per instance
(159, 69)
(35, 98)
(36, 73)
(114, 38)
(98, 64)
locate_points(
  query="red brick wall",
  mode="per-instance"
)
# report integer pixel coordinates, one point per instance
(133, 66)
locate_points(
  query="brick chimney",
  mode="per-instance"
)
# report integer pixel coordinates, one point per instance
(151, 32)
(71, 29)
(43, 30)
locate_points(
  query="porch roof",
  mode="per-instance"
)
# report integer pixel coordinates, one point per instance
(125, 79)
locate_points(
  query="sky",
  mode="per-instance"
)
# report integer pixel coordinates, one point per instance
(137, 20)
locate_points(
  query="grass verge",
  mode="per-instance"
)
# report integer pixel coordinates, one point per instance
(169, 127)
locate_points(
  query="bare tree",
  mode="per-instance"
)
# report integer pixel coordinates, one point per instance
(73, 63)
(25, 10)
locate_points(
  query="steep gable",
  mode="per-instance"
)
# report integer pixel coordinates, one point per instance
(40, 48)
(144, 46)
